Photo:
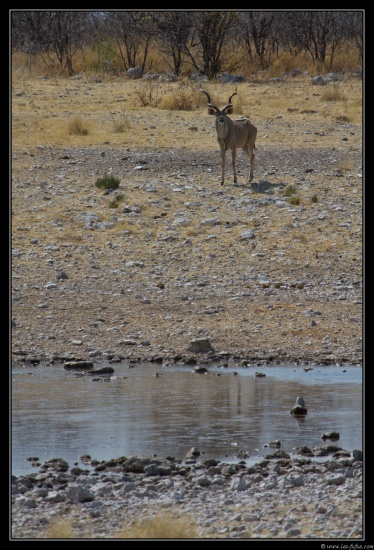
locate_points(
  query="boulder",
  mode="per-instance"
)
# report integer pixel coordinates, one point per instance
(135, 72)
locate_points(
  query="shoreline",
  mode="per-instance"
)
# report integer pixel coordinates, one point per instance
(181, 357)
(278, 498)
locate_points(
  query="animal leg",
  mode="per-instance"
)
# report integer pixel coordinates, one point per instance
(223, 162)
(249, 152)
(252, 161)
(233, 151)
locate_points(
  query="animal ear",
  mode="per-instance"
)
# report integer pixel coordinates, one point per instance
(230, 110)
(211, 111)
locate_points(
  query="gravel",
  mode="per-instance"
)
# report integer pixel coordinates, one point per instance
(182, 257)
(145, 497)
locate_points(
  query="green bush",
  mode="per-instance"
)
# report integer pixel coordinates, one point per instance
(107, 182)
(289, 191)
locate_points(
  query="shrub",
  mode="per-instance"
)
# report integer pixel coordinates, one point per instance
(107, 182)
(77, 127)
(333, 93)
(115, 202)
(289, 191)
(314, 198)
(59, 529)
(120, 121)
(148, 93)
(161, 526)
(183, 97)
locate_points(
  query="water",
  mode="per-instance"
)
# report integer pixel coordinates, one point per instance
(58, 414)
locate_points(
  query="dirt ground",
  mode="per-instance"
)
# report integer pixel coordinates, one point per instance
(261, 273)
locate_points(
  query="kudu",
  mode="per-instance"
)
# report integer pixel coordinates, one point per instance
(233, 134)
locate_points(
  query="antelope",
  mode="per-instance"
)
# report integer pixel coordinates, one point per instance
(233, 134)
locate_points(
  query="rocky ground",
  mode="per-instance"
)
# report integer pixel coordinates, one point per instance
(145, 497)
(183, 257)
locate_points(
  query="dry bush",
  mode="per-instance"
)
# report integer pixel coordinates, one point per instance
(161, 526)
(29, 66)
(120, 121)
(148, 92)
(59, 529)
(76, 127)
(116, 200)
(238, 106)
(183, 98)
(127, 227)
(345, 60)
(192, 232)
(286, 63)
(333, 93)
(105, 59)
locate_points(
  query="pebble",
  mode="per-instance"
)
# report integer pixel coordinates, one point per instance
(297, 498)
(259, 261)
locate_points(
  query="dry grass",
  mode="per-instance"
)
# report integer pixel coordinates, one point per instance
(333, 93)
(77, 127)
(161, 526)
(120, 121)
(158, 526)
(60, 529)
(42, 110)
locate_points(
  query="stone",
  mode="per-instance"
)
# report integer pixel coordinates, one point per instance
(229, 501)
(299, 408)
(102, 370)
(200, 345)
(336, 479)
(201, 370)
(78, 493)
(357, 454)
(334, 436)
(135, 73)
(238, 484)
(78, 365)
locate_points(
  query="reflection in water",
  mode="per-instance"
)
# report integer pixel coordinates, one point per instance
(55, 413)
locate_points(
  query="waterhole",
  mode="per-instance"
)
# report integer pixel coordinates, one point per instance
(147, 409)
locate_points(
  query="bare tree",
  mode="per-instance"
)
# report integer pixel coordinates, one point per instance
(212, 30)
(256, 32)
(55, 35)
(172, 31)
(353, 30)
(318, 32)
(133, 31)
(205, 39)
